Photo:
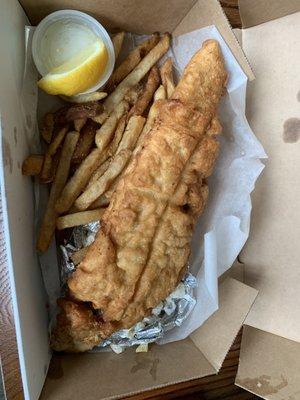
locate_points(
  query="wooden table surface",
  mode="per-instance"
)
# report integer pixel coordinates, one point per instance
(216, 387)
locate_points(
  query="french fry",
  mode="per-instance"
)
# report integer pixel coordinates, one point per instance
(145, 98)
(101, 118)
(112, 188)
(79, 180)
(133, 94)
(105, 133)
(131, 61)
(131, 134)
(45, 176)
(85, 110)
(166, 73)
(102, 201)
(123, 70)
(85, 97)
(153, 112)
(32, 165)
(128, 141)
(93, 192)
(47, 127)
(79, 123)
(80, 218)
(85, 142)
(55, 162)
(117, 41)
(79, 255)
(48, 224)
(137, 74)
(159, 95)
(151, 116)
(117, 136)
(131, 97)
(149, 43)
(99, 172)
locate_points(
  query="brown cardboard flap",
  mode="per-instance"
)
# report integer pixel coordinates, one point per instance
(146, 16)
(272, 252)
(216, 335)
(108, 375)
(269, 365)
(140, 16)
(255, 12)
(236, 271)
(205, 13)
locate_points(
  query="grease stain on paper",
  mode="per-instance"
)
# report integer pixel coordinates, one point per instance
(262, 385)
(291, 130)
(144, 362)
(8, 161)
(298, 96)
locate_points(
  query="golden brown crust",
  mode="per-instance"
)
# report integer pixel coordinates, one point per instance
(171, 244)
(203, 79)
(142, 249)
(137, 206)
(77, 329)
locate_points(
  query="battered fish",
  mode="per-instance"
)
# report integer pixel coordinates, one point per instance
(141, 251)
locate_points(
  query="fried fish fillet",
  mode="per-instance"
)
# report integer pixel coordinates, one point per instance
(142, 249)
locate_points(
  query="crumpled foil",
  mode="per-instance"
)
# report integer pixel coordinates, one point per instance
(168, 314)
(82, 236)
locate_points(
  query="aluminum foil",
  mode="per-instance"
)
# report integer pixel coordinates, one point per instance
(168, 314)
(82, 236)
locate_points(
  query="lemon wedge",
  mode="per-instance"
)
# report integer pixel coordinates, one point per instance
(78, 74)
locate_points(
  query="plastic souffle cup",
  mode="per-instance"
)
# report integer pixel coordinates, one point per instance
(70, 37)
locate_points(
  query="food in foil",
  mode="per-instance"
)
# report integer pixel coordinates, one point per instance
(168, 314)
(127, 175)
(140, 253)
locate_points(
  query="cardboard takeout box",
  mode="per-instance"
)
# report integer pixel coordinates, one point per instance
(270, 354)
(108, 375)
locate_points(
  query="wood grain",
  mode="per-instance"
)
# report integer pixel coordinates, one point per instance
(215, 387)
(8, 344)
(231, 10)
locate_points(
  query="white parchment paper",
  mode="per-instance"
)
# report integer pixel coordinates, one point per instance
(224, 227)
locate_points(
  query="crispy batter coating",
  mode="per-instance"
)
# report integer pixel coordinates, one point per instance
(141, 252)
(77, 328)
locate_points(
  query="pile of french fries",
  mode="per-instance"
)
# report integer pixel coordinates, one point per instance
(91, 140)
